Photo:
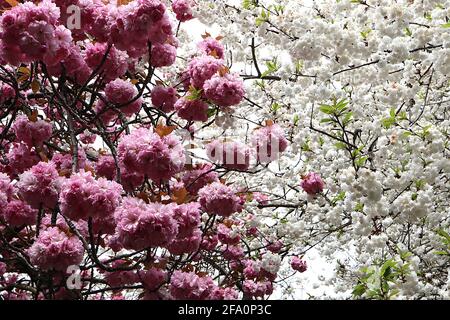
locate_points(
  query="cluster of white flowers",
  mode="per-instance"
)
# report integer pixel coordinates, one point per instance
(384, 156)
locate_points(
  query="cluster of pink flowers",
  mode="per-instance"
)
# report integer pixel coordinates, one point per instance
(189, 235)
(20, 157)
(269, 142)
(202, 69)
(189, 286)
(114, 66)
(33, 133)
(133, 25)
(106, 167)
(188, 244)
(275, 247)
(211, 47)
(225, 91)
(217, 198)
(192, 110)
(40, 185)
(6, 191)
(200, 175)
(257, 289)
(188, 218)
(6, 92)
(83, 196)
(59, 191)
(152, 278)
(312, 183)
(145, 152)
(121, 278)
(163, 55)
(87, 137)
(227, 236)
(130, 179)
(31, 33)
(230, 154)
(298, 264)
(81, 225)
(122, 94)
(74, 66)
(233, 253)
(182, 9)
(18, 213)
(55, 249)
(63, 161)
(140, 225)
(164, 98)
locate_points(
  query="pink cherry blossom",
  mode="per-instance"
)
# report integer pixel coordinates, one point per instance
(182, 9)
(145, 152)
(269, 142)
(225, 91)
(212, 47)
(298, 264)
(18, 213)
(40, 185)
(141, 225)
(230, 154)
(192, 110)
(200, 175)
(163, 55)
(32, 132)
(82, 196)
(312, 183)
(164, 98)
(217, 198)
(202, 69)
(55, 249)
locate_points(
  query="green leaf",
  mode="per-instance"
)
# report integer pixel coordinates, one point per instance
(386, 267)
(340, 145)
(248, 4)
(365, 34)
(361, 161)
(359, 290)
(327, 109)
(275, 107)
(348, 117)
(272, 66)
(299, 66)
(339, 197)
(445, 25)
(264, 16)
(387, 122)
(443, 234)
(211, 112)
(408, 32)
(392, 113)
(359, 207)
(194, 94)
(341, 105)
(326, 120)
(419, 184)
